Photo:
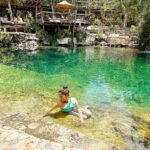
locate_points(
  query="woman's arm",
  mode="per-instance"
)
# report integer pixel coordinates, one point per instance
(51, 109)
(79, 111)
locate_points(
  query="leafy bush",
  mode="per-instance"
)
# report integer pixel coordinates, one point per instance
(81, 35)
(134, 29)
(32, 26)
(144, 38)
(6, 55)
(97, 21)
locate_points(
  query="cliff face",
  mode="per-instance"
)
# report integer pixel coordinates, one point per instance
(116, 37)
(19, 40)
(103, 36)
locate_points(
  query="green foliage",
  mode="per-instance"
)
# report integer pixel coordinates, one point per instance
(5, 39)
(31, 25)
(6, 55)
(134, 29)
(62, 33)
(97, 21)
(132, 10)
(144, 38)
(58, 34)
(100, 34)
(81, 35)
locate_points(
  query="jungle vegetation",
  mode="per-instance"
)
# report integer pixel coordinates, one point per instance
(125, 13)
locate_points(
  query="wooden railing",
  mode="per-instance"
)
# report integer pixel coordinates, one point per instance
(59, 17)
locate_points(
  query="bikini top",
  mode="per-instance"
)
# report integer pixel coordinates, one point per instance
(69, 106)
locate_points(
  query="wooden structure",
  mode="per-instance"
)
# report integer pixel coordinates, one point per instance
(54, 16)
(9, 25)
(47, 15)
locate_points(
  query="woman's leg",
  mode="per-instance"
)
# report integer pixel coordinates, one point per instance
(76, 113)
(86, 112)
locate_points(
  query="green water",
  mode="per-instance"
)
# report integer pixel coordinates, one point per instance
(114, 82)
(100, 76)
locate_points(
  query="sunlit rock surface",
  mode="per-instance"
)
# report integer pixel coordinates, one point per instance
(19, 40)
(39, 135)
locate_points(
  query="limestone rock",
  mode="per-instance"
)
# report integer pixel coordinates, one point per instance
(45, 136)
(116, 39)
(33, 126)
(91, 38)
(19, 40)
(66, 41)
(18, 140)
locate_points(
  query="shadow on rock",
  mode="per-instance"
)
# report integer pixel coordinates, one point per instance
(57, 115)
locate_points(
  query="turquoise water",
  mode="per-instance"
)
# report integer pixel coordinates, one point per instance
(96, 76)
(115, 82)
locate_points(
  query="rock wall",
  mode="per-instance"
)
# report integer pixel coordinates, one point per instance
(105, 36)
(19, 40)
(116, 37)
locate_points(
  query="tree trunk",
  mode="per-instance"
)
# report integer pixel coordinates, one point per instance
(73, 30)
(52, 7)
(36, 11)
(10, 9)
(125, 19)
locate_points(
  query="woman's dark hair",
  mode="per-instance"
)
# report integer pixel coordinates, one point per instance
(65, 87)
(65, 91)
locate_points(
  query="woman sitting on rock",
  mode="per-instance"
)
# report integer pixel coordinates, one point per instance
(70, 105)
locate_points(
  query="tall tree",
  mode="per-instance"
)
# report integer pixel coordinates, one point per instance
(52, 3)
(10, 9)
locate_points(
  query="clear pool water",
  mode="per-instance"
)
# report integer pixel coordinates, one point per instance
(95, 76)
(105, 78)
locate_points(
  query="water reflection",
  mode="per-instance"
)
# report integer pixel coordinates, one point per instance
(145, 57)
(121, 53)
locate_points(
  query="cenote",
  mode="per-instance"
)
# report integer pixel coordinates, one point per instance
(115, 83)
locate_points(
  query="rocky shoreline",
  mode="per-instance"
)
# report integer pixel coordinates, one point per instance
(95, 35)
(19, 132)
(105, 36)
(109, 128)
(19, 40)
